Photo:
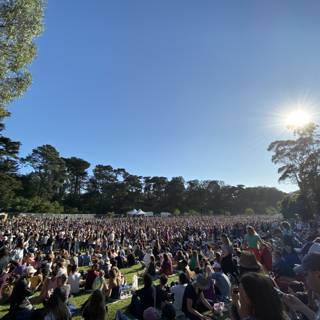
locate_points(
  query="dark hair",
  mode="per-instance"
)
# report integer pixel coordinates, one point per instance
(183, 278)
(61, 293)
(95, 307)
(57, 307)
(147, 280)
(263, 297)
(4, 252)
(168, 312)
(74, 268)
(19, 293)
(163, 279)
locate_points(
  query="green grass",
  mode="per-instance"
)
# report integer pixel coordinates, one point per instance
(112, 307)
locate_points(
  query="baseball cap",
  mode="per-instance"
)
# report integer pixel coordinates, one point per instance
(311, 262)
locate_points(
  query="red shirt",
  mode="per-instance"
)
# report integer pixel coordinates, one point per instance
(266, 258)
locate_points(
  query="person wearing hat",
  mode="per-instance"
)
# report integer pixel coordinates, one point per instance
(34, 280)
(248, 263)
(193, 298)
(221, 281)
(311, 268)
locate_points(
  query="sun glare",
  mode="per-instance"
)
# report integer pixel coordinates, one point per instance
(298, 118)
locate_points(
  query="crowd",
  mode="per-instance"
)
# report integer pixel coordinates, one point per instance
(247, 268)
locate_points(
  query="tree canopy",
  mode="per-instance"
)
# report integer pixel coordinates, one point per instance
(299, 161)
(21, 21)
(55, 184)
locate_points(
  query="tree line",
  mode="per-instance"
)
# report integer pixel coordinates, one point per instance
(59, 184)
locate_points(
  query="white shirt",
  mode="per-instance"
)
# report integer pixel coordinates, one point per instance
(74, 281)
(146, 259)
(178, 292)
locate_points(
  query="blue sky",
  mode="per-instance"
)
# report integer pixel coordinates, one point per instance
(171, 87)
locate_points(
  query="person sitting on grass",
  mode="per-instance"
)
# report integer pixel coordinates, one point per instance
(168, 312)
(131, 260)
(74, 279)
(115, 282)
(90, 276)
(143, 298)
(49, 284)
(166, 266)
(162, 292)
(95, 308)
(62, 283)
(178, 292)
(152, 267)
(194, 302)
(222, 283)
(20, 305)
(34, 278)
(56, 307)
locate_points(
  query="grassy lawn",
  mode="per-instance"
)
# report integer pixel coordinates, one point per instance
(112, 307)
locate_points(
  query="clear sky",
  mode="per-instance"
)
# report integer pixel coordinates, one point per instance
(191, 88)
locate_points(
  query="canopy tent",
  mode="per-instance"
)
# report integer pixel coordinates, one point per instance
(132, 212)
(141, 213)
(135, 212)
(165, 214)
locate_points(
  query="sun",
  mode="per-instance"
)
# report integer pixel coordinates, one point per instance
(298, 118)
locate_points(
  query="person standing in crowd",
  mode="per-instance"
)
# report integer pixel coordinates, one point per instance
(252, 241)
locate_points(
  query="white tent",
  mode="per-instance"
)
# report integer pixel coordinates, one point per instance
(141, 213)
(165, 214)
(132, 212)
(149, 214)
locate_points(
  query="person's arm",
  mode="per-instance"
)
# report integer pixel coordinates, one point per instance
(205, 302)
(193, 311)
(109, 290)
(44, 289)
(40, 282)
(295, 304)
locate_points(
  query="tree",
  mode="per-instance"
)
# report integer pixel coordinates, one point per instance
(248, 212)
(20, 22)
(101, 189)
(133, 193)
(299, 161)
(154, 193)
(294, 204)
(175, 195)
(9, 184)
(49, 171)
(76, 175)
(35, 205)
